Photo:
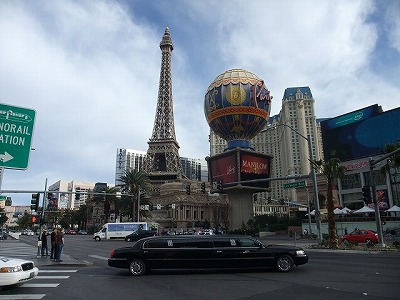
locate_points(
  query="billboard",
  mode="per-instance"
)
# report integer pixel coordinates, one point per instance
(354, 135)
(240, 165)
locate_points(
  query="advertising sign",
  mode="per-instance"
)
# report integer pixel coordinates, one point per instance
(224, 167)
(254, 166)
(240, 165)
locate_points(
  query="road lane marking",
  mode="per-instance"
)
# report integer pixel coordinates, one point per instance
(41, 285)
(24, 296)
(52, 277)
(99, 257)
(57, 271)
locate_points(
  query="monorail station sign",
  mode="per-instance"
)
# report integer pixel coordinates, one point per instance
(16, 129)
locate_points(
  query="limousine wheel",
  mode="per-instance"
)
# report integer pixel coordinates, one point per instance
(137, 267)
(284, 263)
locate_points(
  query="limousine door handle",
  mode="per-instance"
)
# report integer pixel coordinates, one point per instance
(219, 251)
(246, 251)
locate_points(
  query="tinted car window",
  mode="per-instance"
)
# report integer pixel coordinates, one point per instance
(154, 244)
(243, 242)
(184, 243)
(225, 243)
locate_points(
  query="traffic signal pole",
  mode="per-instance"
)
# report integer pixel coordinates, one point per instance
(41, 220)
(372, 163)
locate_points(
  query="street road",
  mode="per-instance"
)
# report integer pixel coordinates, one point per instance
(328, 275)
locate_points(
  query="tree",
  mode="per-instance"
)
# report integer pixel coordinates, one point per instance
(332, 171)
(133, 181)
(107, 196)
(393, 161)
(3, 217)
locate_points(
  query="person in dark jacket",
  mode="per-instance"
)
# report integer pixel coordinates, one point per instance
(44, 243)
(53, 236)
(59, 245)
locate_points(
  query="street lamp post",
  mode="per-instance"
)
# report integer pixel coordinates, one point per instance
(313, 178)
(138, 207)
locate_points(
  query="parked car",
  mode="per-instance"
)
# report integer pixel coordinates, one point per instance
(139, 234)
(72, 232)
(15, 271)
(29, 232)
(82, 232)
(361, 236)
(205, 252)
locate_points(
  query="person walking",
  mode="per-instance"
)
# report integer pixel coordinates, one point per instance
(44, 243)
(59, 245)
(53, 236)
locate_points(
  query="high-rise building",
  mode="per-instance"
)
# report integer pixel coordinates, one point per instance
(284, 138)
(192, 168)
(128, 158)
(69, 194)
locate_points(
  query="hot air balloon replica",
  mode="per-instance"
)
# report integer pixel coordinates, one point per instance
(237, 105)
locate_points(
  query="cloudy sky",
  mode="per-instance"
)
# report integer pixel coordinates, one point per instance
(91, 69)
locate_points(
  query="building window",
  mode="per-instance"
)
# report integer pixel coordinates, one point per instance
(351, 181)
(379, 178)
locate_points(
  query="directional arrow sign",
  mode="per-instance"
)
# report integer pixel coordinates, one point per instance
(5, 157)
(16, 129)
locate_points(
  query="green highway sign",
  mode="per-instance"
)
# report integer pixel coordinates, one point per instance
(16, 129)
(295, 184)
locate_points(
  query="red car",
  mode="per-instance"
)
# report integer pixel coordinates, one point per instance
(360, 236)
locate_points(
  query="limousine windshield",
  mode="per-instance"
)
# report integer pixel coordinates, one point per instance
(205, 252)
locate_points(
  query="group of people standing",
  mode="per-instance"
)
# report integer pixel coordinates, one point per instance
(57, 243)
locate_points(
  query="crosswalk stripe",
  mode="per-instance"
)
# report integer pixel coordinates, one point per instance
(41, 285)
(99, 257)
(57, 271)
(52, 277)
(22, 296)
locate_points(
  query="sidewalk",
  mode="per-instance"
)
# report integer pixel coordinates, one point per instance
(39, 260)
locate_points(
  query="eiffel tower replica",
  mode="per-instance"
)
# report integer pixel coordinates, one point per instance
(162, 163)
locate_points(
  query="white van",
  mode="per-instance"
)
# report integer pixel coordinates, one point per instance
(118, 230)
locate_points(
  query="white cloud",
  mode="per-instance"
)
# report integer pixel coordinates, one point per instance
(91, 69)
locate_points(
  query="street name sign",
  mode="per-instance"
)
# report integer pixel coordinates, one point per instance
(16, 129)
(295, 184)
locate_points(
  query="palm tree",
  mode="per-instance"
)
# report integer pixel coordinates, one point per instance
(394, 160)
(133, 181)
(332, 171)
(107, 196)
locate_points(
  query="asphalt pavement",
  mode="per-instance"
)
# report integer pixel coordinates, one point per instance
(10, 246)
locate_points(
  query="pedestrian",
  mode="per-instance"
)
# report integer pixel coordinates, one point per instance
(59, 245)
(345, 231)
(393, 234)
(305, 232)
(44, 243)
(53, 236)
(290, 232)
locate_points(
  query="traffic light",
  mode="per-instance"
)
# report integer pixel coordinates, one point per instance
(203, 187)
(34, 218)
(220, 187)
(35, 202)
(188, 189)
(366, 194)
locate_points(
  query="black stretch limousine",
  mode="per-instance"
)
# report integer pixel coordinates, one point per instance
(205, 252)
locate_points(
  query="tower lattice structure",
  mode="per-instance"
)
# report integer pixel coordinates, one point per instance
(162, 162)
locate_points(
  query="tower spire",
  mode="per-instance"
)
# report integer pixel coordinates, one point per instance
(162, 159)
